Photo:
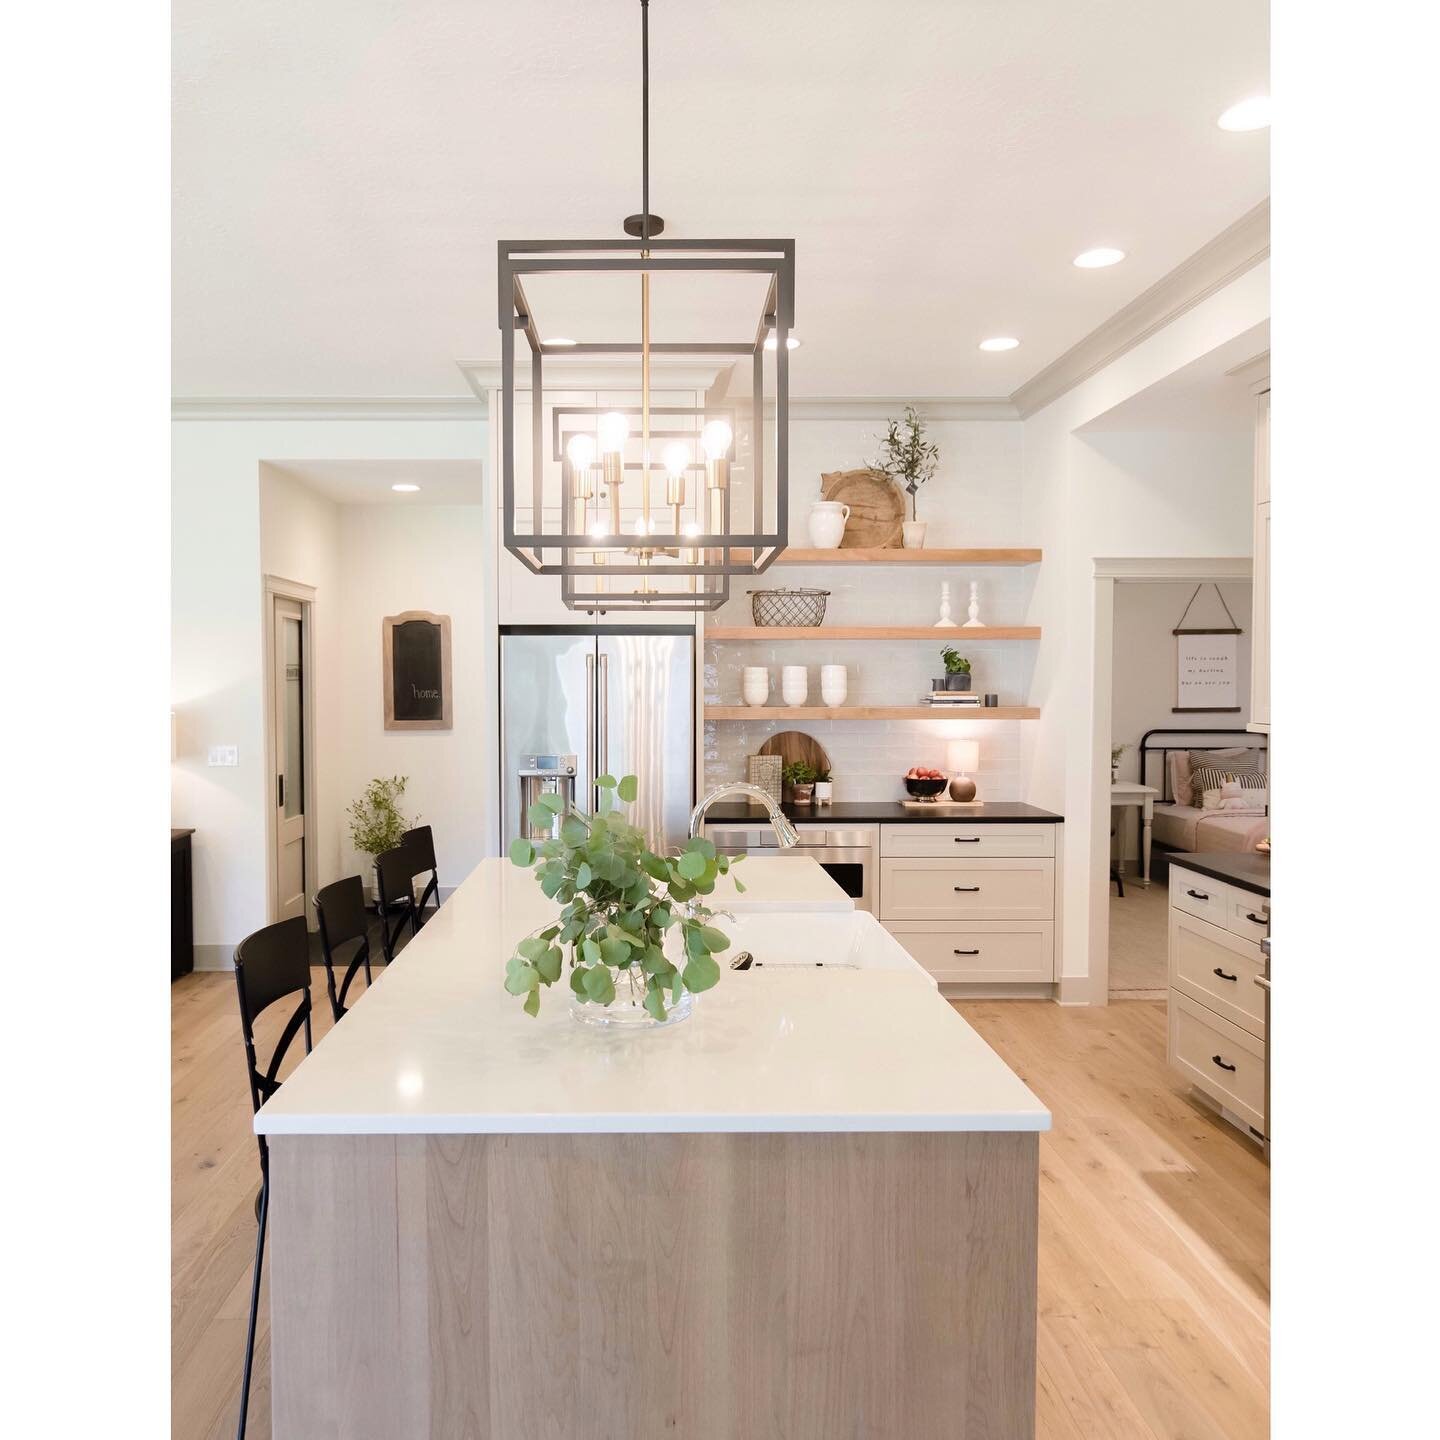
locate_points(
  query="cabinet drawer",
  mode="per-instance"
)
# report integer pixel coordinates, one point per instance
(1247, 914)
(1218, 1057)
(979, 890)
(981, 952)
(1218, 969)
(967, 842)
(1198, 895)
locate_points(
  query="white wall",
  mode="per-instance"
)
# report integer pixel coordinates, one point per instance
(216, 644)
(418, 557)
(1149, 494)
(1143, 682)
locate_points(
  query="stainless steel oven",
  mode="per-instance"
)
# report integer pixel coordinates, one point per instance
(849, 854)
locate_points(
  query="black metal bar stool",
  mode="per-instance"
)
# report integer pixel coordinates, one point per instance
(341, 909)
(394, 875)
(270, 965)
(420, 842)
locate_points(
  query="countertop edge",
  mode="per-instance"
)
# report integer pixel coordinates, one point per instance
(1214, 867)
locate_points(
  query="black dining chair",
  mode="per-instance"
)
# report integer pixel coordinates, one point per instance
(270, 965)
(341, 909)
(420, 842)
(1115, 860)
(395, 876)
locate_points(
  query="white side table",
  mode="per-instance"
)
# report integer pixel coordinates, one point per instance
(1142, 798)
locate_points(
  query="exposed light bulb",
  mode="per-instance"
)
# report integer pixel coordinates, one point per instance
(599, 531)
(581, 450)
(791, 342)
(613, 430)
(692, 529)
(715, 439)
(640, 526)
(677, 457)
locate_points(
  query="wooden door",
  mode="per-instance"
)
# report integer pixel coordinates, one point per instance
(288, 748)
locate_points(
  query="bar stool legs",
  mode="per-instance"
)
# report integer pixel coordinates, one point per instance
(261, 1217)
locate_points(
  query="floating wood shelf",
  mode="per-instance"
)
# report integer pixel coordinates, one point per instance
(872, 712)
(908, 557)
(872, 632)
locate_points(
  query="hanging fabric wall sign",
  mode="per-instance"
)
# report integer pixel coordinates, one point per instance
(1206, 663)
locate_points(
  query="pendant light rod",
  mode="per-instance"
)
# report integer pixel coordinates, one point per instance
(645, 120)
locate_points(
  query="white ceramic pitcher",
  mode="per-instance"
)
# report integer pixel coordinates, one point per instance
(827, 524)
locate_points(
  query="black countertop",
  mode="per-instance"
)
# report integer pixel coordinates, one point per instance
(889, 812)
(1243, 868)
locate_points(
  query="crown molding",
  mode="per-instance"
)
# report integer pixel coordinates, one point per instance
(588, 372)
(202, 407)
(882, 407)
(1228, 256)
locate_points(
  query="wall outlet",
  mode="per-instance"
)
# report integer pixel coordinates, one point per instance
(224, 755)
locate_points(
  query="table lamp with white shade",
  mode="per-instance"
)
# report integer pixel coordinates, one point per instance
(963, 757)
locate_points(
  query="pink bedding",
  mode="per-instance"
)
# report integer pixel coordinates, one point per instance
(1187, 827)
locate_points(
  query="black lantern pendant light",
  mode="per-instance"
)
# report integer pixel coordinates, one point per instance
(641, 506)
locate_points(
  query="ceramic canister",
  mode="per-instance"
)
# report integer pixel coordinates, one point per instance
(834, 684)
(795, 684)
(827, 524)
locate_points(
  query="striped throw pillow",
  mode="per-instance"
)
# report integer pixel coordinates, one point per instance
(1212, 777)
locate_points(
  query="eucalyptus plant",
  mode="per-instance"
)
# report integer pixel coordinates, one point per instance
(619, 901)
(908, 457)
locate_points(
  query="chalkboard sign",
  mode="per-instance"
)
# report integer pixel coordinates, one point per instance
(416, 673)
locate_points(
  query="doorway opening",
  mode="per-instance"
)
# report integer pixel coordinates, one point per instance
(289, 747)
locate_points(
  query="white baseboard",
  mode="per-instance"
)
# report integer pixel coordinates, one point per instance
(214, 957)
(959, 991)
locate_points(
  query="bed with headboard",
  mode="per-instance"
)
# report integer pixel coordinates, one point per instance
(1184, 821)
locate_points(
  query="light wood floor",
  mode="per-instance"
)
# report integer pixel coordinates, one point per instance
(1154, 1228)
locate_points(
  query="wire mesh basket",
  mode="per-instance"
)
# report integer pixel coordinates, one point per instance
(788, 607)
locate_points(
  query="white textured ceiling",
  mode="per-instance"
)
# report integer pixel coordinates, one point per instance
(343, 169)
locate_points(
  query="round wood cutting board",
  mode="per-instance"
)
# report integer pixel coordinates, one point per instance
(792, 745)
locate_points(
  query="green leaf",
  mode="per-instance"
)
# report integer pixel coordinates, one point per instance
(701, 846)
(714, 939)
(583, 876)
(532, 1003)
(655, 1001)
(522, 852)
(701, 974)
(654, 961)
(628, 789)
(574, 831)
(691, 865)
(591, 951)
(614, 952)
(605, 782)
(532, 947)
(577, 980)
(662, 917)
(520, 975)
(654, 867)
(542, 817)
(553, 801)
(739, 885)
(549, 964)
(600, 987)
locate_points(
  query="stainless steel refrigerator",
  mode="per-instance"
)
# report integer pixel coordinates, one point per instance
(620, 699)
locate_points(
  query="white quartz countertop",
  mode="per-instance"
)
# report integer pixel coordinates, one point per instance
(437, 1046)
(775, 883)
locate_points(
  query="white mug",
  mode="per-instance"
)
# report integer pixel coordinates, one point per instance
(827, 524)
(834, 684)
(795, 684)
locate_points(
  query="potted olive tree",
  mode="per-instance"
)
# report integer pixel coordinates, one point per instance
(957, 670)
(909, 460)
(376, 821)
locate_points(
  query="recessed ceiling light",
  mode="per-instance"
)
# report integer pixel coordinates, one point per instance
(406, 488)
(791, 343)
(560, 340)
(1252, 114)
(1098, 259)
(999, 342)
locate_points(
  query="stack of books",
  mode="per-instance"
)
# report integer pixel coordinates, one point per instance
(954, 697)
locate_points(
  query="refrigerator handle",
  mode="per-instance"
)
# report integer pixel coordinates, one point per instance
(590, 770)
(604, 714)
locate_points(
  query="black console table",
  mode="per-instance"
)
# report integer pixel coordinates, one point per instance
(182, 916)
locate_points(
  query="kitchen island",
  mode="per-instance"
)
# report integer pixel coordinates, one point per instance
(808, 1210)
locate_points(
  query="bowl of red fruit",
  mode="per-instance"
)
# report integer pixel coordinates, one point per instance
(924, 783)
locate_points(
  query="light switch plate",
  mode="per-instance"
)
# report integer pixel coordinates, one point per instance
(224, 755)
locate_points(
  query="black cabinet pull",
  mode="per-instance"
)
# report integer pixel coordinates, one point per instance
(966, 889)
(967, 952)
(967, 839)
(1218, 971)
(1258, 919)
(1221, 1063)
(280, 792)
(1197, 894)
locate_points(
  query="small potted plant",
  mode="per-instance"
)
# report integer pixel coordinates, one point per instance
(909, 460)
(799, 775)
(376, 821)
(637, 937)
(824, 791)
(1116, 751)
(957, 670)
